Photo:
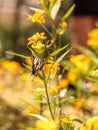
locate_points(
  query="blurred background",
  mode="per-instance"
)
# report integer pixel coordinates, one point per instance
(14, 26)
(15, 85)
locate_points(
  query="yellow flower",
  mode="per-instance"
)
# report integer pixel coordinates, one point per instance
(1, 71)
(12, 66)
(67, 122)
(46, 125)
(37, 17)
(30, 128)
(83, 128)
(63, 83)
(95, 89)
(67, 119)
(53, 90)
(1, 86)
(50, 69)
(39, 47)
(71, 76)
(92, 42)
(95, 73)
(93, 38)
(81, 61)
(31, 109)
(64, 24)
(24, 77)
(36, 42)
(28, 60)
(78, 103)
(91, 124)
(36, 37)
(93, 33)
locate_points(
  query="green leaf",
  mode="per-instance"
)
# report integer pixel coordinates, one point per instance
(44, 6)
(68, 13)
(32, 51)
(90, 69)
(51, 6)
(57, 51)
(28, 66)
(60, 127)
(93, 79)
(16, 54)
(61, 57)
(55, 9)
(39, 117)
(35, 9)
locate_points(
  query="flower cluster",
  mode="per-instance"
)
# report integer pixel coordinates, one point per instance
(11, 66)
(50, 69)
(37, 17)
(91, 124)
(81, 61)
(93, 38)
(36, 42)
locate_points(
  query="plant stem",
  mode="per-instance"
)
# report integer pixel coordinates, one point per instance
(47, 95)
(47, 30)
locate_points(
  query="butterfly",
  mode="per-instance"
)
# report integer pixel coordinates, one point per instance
(37, 64)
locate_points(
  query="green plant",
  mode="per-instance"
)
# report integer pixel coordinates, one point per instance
(48, 65)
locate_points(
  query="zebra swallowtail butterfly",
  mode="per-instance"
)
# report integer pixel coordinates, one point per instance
(37, 64)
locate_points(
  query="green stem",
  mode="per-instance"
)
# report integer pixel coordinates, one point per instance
(47, 30)
(59, 43)
(13, 53)
(47, 95)
(60, 105)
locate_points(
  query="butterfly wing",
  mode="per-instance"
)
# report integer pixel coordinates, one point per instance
(37, 65)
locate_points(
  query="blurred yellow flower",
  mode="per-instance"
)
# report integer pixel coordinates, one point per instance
(95, 89)
(92, 42)
(46, 125)
(83, 128)
(50, 69)
(66, 122)
(63, 83)
(79, 103)
(81, 61)
(1, 71)
(93, 38)
(37, 17)
(64, 24)
(31, 109)
(28, 60)
(91, 124)
(2, 86)
(12, 66)
(93, 33)
(24, 77)
(95, 73)
(53, 90)
(30, 128)
(67, 119)
(71, 76)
